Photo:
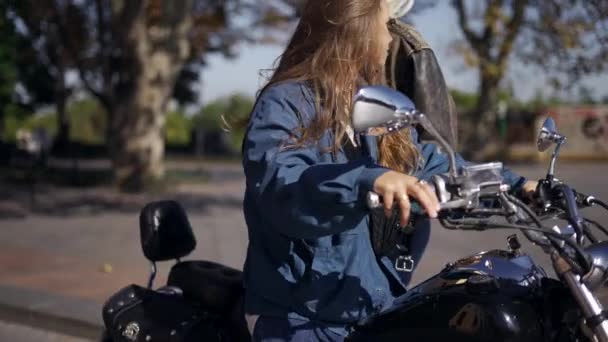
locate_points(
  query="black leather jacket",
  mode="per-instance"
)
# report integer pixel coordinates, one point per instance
(412, 68)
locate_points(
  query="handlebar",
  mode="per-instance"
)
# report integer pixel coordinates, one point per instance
(584, 200)
(571, 208)
(374, 201)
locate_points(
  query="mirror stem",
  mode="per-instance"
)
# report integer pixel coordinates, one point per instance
(428, 126)
(551, 172)
(152, 275)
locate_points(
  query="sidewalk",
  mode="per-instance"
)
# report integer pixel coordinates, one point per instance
(40, 316)
(22, 333)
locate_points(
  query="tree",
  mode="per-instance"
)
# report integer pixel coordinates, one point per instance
(586, 95)
(226, 114)
(44, 61)
(8, 62)
(183, 91)
(130, 53)
(567, 38)
(227, 109)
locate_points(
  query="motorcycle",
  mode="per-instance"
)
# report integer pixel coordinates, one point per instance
(497, 295)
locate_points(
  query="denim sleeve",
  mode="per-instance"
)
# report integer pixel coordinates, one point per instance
(298, 194)
(436, 162)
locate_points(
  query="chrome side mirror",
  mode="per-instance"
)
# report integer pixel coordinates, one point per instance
(548, 135)
(380, 110)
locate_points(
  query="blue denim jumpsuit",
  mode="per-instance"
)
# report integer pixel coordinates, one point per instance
(310, 271)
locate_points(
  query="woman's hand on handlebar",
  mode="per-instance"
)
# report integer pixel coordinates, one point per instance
(529, 189)
(398, 187)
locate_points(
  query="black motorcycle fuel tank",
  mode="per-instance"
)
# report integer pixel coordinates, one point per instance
(490, 296)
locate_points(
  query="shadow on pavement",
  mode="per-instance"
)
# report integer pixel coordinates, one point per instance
(18, 202)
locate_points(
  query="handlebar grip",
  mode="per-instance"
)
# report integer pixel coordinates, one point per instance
(416, 208)
(374, 201)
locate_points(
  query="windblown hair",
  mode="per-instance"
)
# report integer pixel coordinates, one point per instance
(334, 51)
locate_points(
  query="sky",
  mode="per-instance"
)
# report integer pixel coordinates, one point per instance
(438, 26)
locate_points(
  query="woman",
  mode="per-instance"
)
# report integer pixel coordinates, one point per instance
(311, 271)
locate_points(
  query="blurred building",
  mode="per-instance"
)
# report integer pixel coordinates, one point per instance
(586, 128)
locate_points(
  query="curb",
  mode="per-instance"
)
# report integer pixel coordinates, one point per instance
(65, 315)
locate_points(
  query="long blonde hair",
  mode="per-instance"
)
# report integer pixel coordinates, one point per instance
(333, 49)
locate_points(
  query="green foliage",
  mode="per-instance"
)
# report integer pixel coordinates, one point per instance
(540, 102)
(226, 113)
(586, 95)
(14, 118)
(210, 116)
(87, 118)
(47, 121)
(465, 102)
(7, 78)
(25, 58)
(177, 128)
(230, 108)
(8, 58)
(87, 121)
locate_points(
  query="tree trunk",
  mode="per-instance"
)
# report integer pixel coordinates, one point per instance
(63, 122)
(482, 118)
(136, 131)
(2, 137)
(136, 143)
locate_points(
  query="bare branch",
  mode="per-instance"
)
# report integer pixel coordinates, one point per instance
(463, 21)
(125, 17)
(512, 30)
(491, 19)
(76, 56)
(104, 50)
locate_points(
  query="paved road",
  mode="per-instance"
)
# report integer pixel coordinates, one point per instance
(19, 333)
(91, 256)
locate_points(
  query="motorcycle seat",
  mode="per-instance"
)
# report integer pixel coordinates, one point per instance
(215, 286)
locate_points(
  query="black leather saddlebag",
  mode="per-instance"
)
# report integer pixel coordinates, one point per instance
(139, 314)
